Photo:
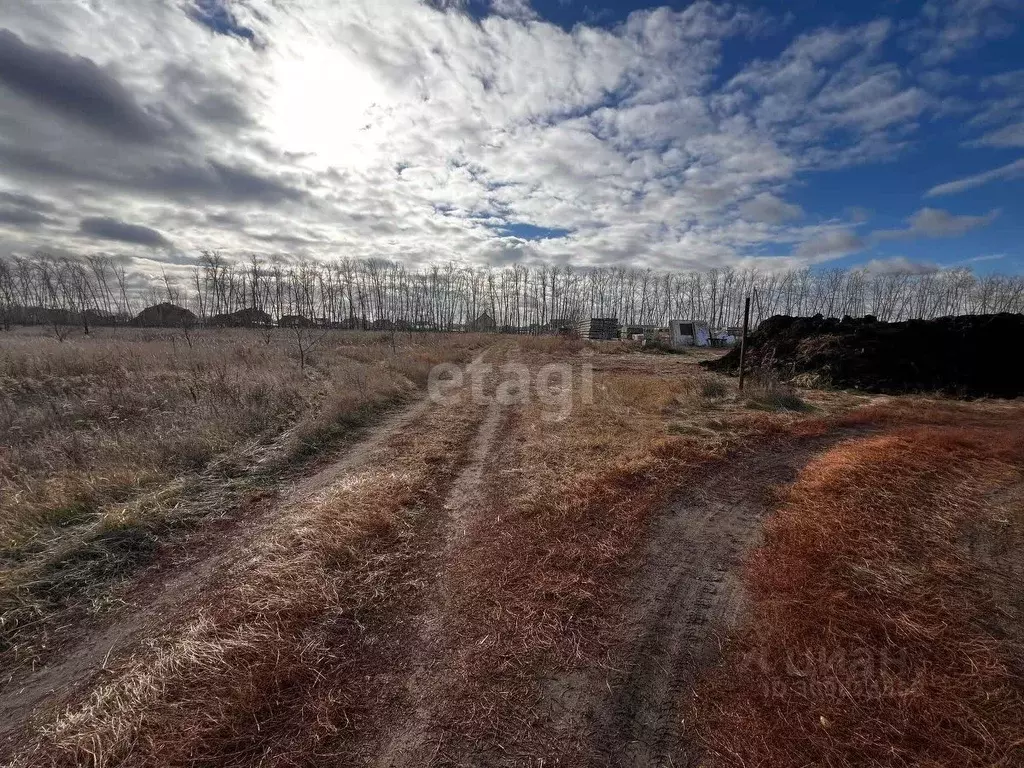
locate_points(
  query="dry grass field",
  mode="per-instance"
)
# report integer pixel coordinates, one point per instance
(886, 622)
(216, 556)
(108, 441)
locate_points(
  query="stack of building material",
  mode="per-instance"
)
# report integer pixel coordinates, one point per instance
(600, 328)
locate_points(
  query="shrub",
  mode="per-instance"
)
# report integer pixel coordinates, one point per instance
(713, 388)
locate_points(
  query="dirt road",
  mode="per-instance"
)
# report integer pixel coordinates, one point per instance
(525, 593)
(172, 585)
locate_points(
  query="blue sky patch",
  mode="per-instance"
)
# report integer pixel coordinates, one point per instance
(532, 231)
(215, 15)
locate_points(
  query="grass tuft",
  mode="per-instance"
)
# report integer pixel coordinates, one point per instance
(713, 389)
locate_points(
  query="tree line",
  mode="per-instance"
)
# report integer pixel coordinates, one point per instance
(377, 293)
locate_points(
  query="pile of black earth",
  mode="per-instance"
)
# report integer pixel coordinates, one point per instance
(968, 356)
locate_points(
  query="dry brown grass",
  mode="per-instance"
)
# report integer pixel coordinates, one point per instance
(96, 419)
(109, 442)
(536, 588)
(392, 604)
(552, 344)
(871, 638)
(272, 667)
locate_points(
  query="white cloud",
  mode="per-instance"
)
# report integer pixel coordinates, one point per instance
(946, 29)
(832, 82)
(1009, 171)
(900, 265)
(934, 222)
(409, 130)
(1007, 136)
(831, 245)
(768, 208)
(514, 9)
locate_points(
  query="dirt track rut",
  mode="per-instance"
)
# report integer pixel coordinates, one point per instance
(411, 742)
(683, 598)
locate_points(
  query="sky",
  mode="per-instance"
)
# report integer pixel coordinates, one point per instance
(887, 135)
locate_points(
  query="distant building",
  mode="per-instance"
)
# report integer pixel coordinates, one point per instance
(353, 324)
(294, 321)
(98, 317)
(483, 324)
(42, 316)
(384, 324)
(689, 333)
(243, 318)
(165, 315)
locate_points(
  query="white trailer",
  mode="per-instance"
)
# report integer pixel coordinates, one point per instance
(690, 333)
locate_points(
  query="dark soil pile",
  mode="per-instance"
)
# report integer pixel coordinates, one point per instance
(969, 356)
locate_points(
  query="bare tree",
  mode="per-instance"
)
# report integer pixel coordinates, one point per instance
(305, 340)
(7, 294)
(390, 296)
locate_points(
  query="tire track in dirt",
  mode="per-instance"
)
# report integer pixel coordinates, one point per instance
(413, 740)
(163, 591)
(685, 595)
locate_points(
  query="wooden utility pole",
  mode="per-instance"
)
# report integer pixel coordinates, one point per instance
(743, 339)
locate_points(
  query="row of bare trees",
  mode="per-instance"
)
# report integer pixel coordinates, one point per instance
(384, 294)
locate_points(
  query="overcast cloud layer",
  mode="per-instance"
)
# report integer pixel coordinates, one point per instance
(417, 131)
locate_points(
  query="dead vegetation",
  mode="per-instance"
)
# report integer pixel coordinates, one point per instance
(531, 587)
(110, 442)
(535, 590)
(98, 420)
(272, 666)
(451, 595)
(872, 636)
(277, 657)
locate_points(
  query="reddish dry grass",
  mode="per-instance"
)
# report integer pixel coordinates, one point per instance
(869, 639)
(536, 582)
(303, 656)
(535, 586)
(925, 411)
